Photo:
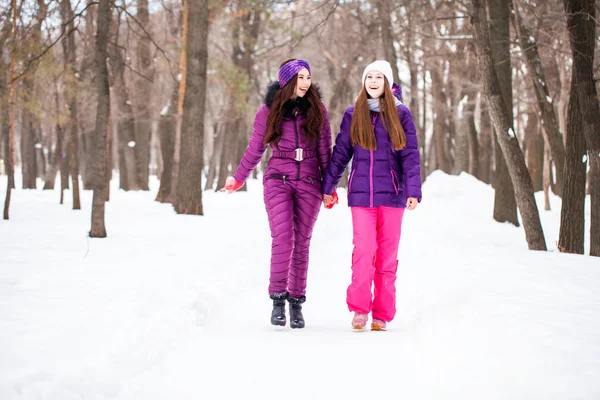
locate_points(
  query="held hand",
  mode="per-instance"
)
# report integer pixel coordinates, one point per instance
(330, 200)
(411, 203)
(231, 185)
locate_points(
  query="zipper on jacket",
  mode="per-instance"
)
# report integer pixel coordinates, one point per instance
(371, 178)
(277, 176)
(295, 114)
(373, 122)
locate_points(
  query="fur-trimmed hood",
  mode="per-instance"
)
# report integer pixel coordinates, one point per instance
(299, 102)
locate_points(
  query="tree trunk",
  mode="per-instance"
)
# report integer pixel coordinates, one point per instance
(506, 136)
(10, 160)
(87, 79)
(549, 121)
(228, 151)
(4, 125)
(571, 235)
(143, 128)
(28, 165)
(387, 36)
(102, 113)
(426, 167)
(466, 134)
(56, 155)
(563, 101)
(486, 148)
(461, 150)
(189, 189)
(440, 131)
(505, 206)
(70, 50)
(533, 152)
(215, 157)
(583, 127)
(413, 69)
(74, 150)
(109, 152)
(41, 142)
(128, 177)
(166, 130)
(63, 167)
(182, 88)
(547, 176)
(126, 125)
(29, 123)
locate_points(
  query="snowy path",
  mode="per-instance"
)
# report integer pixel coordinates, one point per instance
(175, 307)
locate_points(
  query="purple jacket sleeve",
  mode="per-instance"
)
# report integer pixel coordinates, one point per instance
(324, 145)
(256, 147)
(342, 154)
(410, 156)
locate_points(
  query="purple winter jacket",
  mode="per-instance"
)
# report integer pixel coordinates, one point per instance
(383, 177)
(282, 163)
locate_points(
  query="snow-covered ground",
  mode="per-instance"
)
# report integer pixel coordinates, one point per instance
(176, 307)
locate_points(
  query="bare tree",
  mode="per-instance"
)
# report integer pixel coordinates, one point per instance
(125, 118)
(189, 189)
(505, 206)
(169, 116)
(166, 130)
(70, 54)
(553, 136)
(102, 113)
(506, 136)
(29, 111)
(10, 160)
(182, 87)
(384, 15)
(583, 124)
(143, 129)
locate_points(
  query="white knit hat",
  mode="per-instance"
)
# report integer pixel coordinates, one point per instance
(382, 66)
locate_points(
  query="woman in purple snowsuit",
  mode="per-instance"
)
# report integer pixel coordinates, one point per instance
(379, 135)
(294, 122)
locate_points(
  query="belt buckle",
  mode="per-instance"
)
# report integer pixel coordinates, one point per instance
(299, 154)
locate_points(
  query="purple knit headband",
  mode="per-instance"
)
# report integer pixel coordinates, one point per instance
(289, 70)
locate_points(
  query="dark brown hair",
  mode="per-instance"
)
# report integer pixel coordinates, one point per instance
(361, 128)
(314, 115)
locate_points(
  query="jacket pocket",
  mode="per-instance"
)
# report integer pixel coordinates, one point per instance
(350, 181)
(276, 176)
(395, 181)
(313, 181)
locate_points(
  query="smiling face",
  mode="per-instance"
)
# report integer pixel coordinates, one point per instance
(374, 84)
(302, 83)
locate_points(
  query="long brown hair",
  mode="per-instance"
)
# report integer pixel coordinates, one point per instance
(361, 128)
(311, 127)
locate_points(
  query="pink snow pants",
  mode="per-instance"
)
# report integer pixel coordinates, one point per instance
(375, 261)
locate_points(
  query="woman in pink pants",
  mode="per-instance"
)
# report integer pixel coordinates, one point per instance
(379, 135)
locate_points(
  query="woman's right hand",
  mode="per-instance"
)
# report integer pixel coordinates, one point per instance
(231, 185)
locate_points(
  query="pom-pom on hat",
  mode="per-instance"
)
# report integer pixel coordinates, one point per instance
(290, 69)
(382, 66)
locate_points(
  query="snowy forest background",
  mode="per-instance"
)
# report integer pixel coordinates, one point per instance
(503, 90)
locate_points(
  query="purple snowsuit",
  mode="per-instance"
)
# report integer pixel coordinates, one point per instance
(292, 189)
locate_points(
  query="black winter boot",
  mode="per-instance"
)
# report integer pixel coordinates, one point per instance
(296, 317)
(278, 313)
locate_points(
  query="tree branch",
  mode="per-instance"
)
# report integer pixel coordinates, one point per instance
(149, 37)
(32, 60)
